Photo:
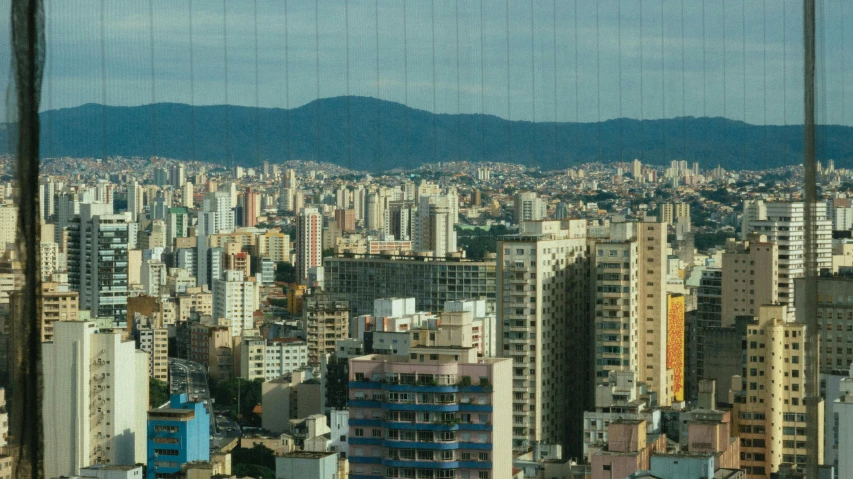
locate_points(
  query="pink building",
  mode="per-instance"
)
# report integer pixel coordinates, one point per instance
(438, 413)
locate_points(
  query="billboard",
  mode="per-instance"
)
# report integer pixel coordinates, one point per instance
(675, 343)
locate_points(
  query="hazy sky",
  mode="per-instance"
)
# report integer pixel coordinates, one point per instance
(454, 56)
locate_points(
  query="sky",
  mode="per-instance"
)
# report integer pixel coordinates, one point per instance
(533, 60)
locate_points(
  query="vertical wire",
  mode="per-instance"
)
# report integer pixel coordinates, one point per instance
(378, 93)
(317, 66)
(619, 68)
(554, 32)
(508, 96)
(705, 88)
(349, 110)
(598, 77)
(406, 80)
(434, 109)
(482, 83)
(257, 102)
(785, 77)
(642, 105)
(103, 41)
(662, 83)
(533, 75)
(743, 60)
(764, 66)
(725, 67)
(458, 88)
(192, 81)
(228, 159)
(683, 90)
(153, 79)
(577, 90)
(287, 78)
(843, 69)
(50, 62)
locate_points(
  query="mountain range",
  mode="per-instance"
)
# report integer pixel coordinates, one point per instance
(375, 135)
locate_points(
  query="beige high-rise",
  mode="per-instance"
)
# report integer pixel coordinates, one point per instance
(750, 277)
(769, 403)
(543, 322)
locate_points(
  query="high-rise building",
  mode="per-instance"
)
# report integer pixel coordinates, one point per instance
(449, 411)
(325, 321)
(750, 277)
(177, 175)
(435, 224)
(187, 195)
(529, 207)
(784, 224)
(671, 213)
(177, 435)
(309, 241)
(431, 281)
(8, 225)
(94, 412)
(275, 245)
(57, 304)
(542, 316)
(235, 300)
(637, 170)
(769, 404)
(251, 208)
(219, 203)
(345, 219)
(134, 200)
(834, 319)
(342, 198)
(709, 298)
(400, 218)
(375, 214)
(98, 261)
(47, 190)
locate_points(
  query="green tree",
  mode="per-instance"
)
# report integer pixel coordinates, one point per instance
(328, 252)
(285, 272)
(158, 392)
(225, 394)
(258, 461)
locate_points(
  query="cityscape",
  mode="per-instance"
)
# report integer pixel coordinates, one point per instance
(368, 263)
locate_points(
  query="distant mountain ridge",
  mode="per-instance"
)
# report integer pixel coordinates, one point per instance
(379, 124)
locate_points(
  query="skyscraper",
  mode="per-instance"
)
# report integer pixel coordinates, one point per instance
(543, 322)
(94, 410)
(235, 300)
(529, 207)
(435, 224)
(309, 241)
(98, 261)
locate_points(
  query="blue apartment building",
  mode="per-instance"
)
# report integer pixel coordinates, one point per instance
(177, 434)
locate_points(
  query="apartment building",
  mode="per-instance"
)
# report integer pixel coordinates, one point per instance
(58, 303)
(99, 417)
(325, 321)
(271, 359)
(440, 408)
(155, 342)
(784, 224)
(431, 281)
(235, 300)
(750, 277)
(834, 319)
(542, 317)
(769, 412)
(309, 241)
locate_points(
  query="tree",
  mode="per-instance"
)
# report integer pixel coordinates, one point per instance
(225, 394)
(285, 272)
(158, 392)
(258, 461)
(328, 252)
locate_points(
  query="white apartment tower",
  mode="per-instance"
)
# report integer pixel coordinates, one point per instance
(235, 300)
(434, 224)
(784, 224)
(309, 241)
(542, 317)
(95, 410)
(529, 207)
(134, 200)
